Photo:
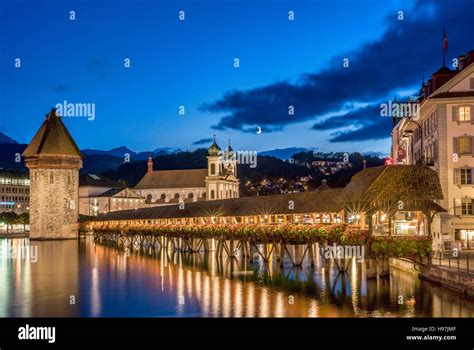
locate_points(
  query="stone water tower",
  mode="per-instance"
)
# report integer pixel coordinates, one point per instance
(54, 161)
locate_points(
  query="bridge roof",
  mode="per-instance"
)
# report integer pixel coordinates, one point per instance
(393, 183)
(417, 186)
(301, 202)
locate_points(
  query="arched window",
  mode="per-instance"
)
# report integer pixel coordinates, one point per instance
(148, 199)
(203, 195)
(163, 196)
(176, 196)
(213, 194)
(191, 195)
(213, 169)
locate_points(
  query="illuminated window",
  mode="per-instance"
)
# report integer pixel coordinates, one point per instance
(464, 113)
(465, 145)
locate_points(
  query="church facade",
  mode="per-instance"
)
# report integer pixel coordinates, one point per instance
(218, 181)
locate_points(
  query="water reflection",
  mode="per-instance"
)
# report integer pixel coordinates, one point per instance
(74, 278)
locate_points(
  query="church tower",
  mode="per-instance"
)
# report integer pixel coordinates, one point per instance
(221, 180)
(54, 161)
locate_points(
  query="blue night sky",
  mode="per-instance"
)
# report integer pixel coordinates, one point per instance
(190, 63)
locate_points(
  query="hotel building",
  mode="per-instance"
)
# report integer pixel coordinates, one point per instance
(441, 136)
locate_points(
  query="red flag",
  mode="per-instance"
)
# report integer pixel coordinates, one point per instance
(445, 42)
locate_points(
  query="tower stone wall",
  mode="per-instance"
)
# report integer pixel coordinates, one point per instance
(54, 198)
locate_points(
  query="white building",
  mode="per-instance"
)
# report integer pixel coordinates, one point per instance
(99, 194)
(441, 136)
(218, 181)
(14, 191)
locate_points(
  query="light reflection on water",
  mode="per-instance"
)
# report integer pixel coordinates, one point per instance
(86, 279)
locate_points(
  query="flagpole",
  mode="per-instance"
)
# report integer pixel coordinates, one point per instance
(445, 46)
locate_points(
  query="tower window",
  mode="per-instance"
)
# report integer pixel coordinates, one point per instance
(213, 169)
(213, 194)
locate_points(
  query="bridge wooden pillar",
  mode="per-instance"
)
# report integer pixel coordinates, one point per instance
(311, 254)
(282, 255)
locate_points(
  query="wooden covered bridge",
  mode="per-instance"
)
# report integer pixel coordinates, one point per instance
(398, 201)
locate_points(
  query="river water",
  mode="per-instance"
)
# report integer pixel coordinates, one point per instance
(82, 278)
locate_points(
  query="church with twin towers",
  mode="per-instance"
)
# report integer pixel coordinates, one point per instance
(218, 181)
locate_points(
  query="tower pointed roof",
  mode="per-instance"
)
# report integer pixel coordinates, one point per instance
(229, 147)
(214, 150)
(52, 138)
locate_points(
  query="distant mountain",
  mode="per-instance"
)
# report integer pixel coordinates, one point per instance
(282, 153)
(6, 139)
(10, 156)
(166, 150)
(122, 151)
(119, 152)
(99, 163)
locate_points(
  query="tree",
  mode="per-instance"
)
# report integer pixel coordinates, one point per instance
(9, 218)
(24, 219)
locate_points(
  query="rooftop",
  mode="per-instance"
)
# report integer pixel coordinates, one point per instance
(52, 138)
(98, 181)
(418, 186)
(184, 178)
(303, 202)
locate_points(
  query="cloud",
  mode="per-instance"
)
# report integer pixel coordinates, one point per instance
(61, 88)
(358, 125)
(202, 141)
(393, 62)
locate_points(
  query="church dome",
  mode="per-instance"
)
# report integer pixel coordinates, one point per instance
(214, 150)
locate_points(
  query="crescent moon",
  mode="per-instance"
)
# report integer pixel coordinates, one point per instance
(259, 131)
